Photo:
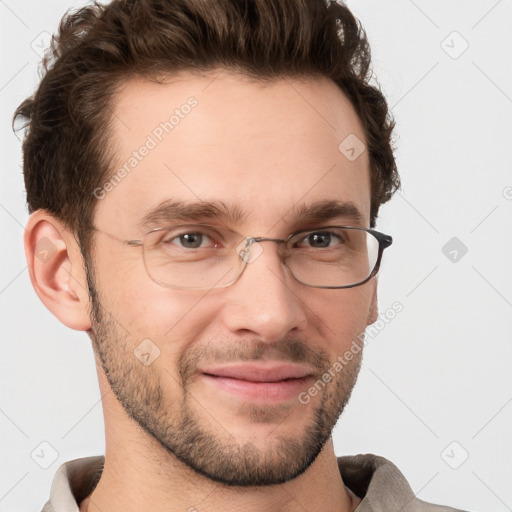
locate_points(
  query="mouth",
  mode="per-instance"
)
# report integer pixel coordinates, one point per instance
(264, 383)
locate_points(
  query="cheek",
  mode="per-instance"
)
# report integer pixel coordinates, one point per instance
(172, 319)
(144, 310)
(127, 291)
(157, 311)
(341, 316)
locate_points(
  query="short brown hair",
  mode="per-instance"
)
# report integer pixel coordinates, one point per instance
(66, 144)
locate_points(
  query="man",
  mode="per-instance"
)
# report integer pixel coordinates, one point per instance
(204, 180)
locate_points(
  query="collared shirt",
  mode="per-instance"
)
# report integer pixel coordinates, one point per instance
(380, 484)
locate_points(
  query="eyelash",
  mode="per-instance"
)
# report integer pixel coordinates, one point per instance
(216, 244)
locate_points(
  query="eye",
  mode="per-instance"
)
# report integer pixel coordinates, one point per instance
(190, 240)
(323, 239)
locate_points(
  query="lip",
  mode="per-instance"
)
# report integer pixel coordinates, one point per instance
(260, 382)
(260, 372)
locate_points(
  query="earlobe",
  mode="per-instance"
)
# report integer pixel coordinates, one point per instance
(56, 270)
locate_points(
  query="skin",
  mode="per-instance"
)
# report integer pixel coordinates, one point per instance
(269, 148)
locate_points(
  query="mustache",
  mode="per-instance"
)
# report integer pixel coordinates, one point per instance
(285, 350)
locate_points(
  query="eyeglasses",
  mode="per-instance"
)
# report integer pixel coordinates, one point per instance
(202, 256)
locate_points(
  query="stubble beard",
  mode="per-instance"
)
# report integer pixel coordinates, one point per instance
(204, 445)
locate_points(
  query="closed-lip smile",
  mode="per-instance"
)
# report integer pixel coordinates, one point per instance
(271, 381)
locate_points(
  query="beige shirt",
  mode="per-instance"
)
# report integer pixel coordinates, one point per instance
(375, 479)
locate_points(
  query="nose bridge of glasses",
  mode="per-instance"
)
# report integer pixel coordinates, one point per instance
(246, 251)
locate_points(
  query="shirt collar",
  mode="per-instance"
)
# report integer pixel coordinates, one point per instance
(374, 479)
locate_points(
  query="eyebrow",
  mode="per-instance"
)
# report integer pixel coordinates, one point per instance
(173, 209)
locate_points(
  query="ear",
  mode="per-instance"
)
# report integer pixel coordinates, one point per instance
(373, 312)
(56, 270)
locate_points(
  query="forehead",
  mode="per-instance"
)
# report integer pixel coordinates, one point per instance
(265, 148)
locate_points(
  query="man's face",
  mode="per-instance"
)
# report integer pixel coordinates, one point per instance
(270, 150)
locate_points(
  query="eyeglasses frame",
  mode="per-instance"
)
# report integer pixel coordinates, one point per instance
(383, 240)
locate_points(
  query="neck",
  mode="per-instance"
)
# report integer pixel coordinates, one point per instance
(131, 482)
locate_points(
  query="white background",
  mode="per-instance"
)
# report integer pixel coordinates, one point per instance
(438, 373)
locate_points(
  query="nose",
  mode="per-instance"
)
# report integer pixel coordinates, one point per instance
(265, 300)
